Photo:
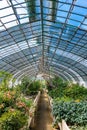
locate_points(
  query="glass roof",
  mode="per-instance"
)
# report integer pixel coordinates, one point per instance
(37, 35)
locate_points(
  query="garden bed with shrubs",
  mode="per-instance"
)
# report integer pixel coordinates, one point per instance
(70, 104)
(14, 110)
(15, 103)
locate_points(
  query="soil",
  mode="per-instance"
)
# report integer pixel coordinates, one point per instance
(43, 118)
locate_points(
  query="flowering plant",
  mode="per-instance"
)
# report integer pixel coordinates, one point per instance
(9, 98)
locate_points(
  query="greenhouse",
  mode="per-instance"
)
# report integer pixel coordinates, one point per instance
(43, 64)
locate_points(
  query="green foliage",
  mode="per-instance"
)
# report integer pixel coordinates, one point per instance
(58, 82)
(55, 82)
(25, 83)
(70, 103)
(76, 92)
(5, 78)
(67, 92)
(2, 108)
(34, 87)
(72, 112)
(84, 127)
(26, 101)
(23, 105)
(64, 98)
(8, 98)
(29, 87)
(54, 93)
(12, 99)
(1, 96)
(12, 120)
(58, 90)
(13, 110)
(14, 107)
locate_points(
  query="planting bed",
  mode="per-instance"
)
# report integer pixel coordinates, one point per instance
(16, 106)
(70, 104)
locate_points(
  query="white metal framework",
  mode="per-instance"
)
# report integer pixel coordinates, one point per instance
(44, 35)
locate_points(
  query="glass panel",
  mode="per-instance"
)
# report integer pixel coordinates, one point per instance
(8, 18)
(81, 3)
(79, 10)
(3, 4)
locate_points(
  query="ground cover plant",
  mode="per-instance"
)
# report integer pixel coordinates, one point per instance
(70, 104)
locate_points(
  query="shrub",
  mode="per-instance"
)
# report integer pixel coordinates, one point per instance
(34, 87)
(76, 92)
(5, 79)
(28, 102)
(24, 85)
(1, 109)
(1, 97)
(9, 98)
(12, 120)
(66, 91)
(58, 89)
(29, 88)
(57, 82)
(23, 105)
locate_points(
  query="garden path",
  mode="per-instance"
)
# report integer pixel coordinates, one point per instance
(43, 118)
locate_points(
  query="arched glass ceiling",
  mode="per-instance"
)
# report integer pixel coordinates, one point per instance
(44, 35)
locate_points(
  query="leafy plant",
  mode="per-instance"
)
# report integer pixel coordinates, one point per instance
(9, 98)
(12, 120)
(24, 84)
(66, 91)
(76, 92)
(28, 102)
(29, 87)
(23, 105)
(1, 108)
(5, 79)
(72, 112)
(70, 103)
(34, 87)
(14, 107)
(78, 127)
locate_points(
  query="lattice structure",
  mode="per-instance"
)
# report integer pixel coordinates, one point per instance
(54, 30)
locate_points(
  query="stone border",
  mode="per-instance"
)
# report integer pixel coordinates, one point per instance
(63, 125)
